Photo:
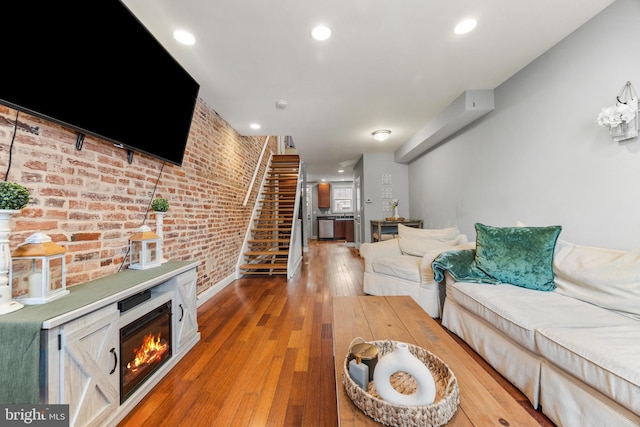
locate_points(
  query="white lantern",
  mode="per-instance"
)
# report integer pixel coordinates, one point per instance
(40, 263)
(144, 249)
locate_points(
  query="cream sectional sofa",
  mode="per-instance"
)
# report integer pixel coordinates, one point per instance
(572, 349)
(402, 266)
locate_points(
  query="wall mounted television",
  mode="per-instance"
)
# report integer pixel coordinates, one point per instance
(92, 66)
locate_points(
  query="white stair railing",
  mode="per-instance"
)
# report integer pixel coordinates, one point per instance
(255, 172)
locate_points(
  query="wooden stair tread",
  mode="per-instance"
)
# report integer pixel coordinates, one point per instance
(267, 248)
(268, 253)
(277, 266)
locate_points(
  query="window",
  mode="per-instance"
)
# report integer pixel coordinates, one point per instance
(342, 199)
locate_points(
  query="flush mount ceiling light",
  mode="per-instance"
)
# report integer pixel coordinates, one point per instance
(321, 33)
(465, 26)
(254, 126)
(184, 37)
(381, 134)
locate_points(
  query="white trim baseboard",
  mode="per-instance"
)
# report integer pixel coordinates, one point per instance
(208, 293)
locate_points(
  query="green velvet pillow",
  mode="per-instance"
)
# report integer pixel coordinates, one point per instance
(521, 256)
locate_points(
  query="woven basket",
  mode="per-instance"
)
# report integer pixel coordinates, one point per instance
(436, 414)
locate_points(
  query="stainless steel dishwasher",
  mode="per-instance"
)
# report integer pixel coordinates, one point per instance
(325, 229)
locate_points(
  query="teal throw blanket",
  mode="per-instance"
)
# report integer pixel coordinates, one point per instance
(462, 267)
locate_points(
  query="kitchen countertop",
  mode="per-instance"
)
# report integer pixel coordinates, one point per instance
(334, 217)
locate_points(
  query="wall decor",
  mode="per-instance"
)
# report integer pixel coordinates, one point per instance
(40, 263)
(622, 117)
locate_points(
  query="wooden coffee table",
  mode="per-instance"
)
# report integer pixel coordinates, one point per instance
(483, 401)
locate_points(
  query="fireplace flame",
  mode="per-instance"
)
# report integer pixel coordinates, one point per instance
(152, 350)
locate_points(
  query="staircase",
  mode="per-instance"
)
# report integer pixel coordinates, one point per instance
(268, 247)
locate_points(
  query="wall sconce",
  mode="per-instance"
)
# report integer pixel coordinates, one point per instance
(144, 249)
(381, 134)
(622, 117)
(40, 263)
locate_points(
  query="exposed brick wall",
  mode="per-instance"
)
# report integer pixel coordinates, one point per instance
(91, 201)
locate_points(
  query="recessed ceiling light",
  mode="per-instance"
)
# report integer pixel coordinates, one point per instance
(255, 126)
(465, 26)
(184, 37)
(340, 170)
(321, 33)
(381, 134)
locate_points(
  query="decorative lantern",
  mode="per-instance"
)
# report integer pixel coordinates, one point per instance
(144, 249)
(40, 263)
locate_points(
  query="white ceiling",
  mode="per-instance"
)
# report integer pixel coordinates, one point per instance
(390, 64)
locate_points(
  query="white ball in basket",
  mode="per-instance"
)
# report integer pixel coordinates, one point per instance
(401, 360)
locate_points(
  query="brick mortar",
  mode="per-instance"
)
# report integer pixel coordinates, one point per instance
(91, 201)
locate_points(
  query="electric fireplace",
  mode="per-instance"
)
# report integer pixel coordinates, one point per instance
(145, 345)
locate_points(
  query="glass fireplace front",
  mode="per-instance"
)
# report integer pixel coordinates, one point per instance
(145, 344)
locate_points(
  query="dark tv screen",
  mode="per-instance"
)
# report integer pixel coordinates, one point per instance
(93, 66)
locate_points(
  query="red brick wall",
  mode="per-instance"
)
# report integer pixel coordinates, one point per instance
(91, 201)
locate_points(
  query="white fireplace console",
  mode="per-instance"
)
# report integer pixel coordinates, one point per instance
(81, 347)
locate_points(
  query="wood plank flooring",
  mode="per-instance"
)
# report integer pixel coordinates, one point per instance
(266, 353)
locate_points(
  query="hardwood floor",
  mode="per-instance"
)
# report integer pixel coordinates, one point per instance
(266, 353)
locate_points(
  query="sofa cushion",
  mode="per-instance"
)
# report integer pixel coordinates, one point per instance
(604, 277)
(402, 266)
(419, 241)
(604, 357)
(521, 256)
(518, 312)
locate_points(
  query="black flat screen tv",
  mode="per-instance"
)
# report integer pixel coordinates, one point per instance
(93, 66)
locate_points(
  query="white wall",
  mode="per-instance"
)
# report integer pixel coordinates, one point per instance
(373, 166)
(540, 157)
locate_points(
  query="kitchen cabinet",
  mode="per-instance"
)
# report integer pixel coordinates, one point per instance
(324, 195)
(349, 231)
(339, 229)
(343, 230)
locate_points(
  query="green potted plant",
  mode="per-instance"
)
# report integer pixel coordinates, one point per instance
(160, 205)
(13, 196)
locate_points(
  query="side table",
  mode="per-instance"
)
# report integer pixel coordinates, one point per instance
(381, 228)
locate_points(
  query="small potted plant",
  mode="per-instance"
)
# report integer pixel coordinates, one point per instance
(160, 205)
(13, 196)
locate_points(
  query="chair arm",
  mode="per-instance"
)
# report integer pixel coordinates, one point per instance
(385, 248)
(372, 251)
(426, 272)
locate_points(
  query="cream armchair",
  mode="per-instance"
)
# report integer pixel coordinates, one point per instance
(402, 266)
